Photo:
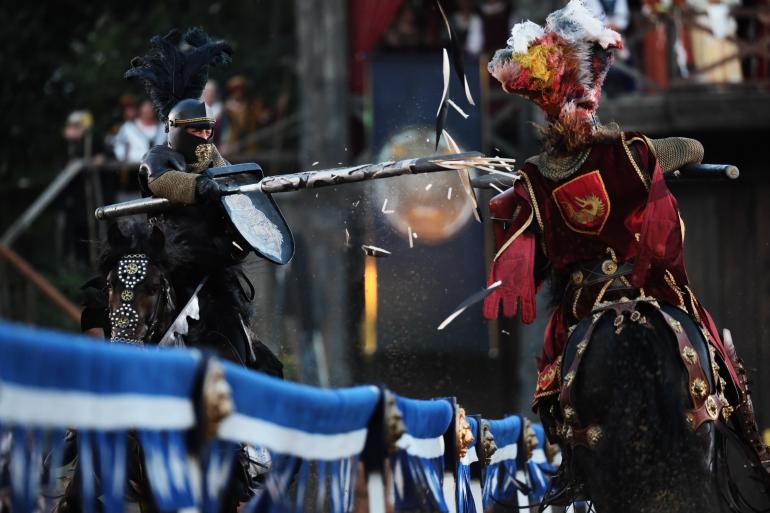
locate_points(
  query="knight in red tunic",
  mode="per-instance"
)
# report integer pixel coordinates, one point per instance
(593, 208)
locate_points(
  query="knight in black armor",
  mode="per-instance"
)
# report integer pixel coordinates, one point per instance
(174, 72)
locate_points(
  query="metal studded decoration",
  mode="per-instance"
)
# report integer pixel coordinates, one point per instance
(132, 269)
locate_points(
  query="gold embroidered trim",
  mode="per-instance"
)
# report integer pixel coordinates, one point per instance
(575, 302)
(513, 237)
(649, 145)
(669, 278)
(601, 293)
(633, 162)
(546, 394)
(533, 199)
(692, 304)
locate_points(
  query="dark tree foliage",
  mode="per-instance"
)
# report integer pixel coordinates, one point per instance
(67, 55)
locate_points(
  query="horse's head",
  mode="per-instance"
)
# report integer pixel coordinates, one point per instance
(139, 294)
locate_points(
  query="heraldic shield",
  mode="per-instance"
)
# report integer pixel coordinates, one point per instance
(254, 216)
(583, 203)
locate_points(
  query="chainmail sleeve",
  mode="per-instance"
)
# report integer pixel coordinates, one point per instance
(175, 186)
(675, 152)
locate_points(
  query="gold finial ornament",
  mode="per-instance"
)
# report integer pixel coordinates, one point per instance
(530, 438)
(487, 442)
(464, 436)
(394, 422)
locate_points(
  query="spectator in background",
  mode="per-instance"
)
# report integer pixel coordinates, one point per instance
(241, 116)
(711, 47)
(470, 31)
(210, 97)
(615, 12)
(128, 107)
(137, 136)
(496, 24)
(404, 33)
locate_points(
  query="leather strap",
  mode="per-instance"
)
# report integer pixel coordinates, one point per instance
(706, 405)
(599, 271)
(706, 402)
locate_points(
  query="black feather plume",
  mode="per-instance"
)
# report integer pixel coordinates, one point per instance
(177, 67)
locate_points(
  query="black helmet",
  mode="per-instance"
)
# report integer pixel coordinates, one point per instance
(174, 72)
(186, 114)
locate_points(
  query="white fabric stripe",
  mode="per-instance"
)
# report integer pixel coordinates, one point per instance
(538, 456)
(421, 447)
(470, 457)
(375, 487)
(84, 410)
(293, 442)
(523, 500)
(449, 487)
(504, 453)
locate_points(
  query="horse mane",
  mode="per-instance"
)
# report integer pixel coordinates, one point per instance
(170, 246)
(129, 236)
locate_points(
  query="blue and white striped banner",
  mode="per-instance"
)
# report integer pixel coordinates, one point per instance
(504, 482)
(52, 381)
(418, 467)
(465, 502)
(539, 469)
(301, 426)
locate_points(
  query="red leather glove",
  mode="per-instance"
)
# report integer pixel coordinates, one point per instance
(515, 267)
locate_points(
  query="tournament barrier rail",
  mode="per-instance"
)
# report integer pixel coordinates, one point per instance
(320, 441)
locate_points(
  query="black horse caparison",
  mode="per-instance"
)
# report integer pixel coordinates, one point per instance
(628, 387)
(148, 272)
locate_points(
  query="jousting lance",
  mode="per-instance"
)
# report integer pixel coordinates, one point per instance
(499, 175)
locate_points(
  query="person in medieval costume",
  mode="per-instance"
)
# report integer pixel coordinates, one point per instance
(174, 73)
(206, 253)
(593, 208)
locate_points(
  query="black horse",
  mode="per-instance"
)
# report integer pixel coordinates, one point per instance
(630, 375)
(148, 274)
(170, 263)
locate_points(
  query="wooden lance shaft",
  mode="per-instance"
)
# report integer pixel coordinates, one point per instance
(302, 180)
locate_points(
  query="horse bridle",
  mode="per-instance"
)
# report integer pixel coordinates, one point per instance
(132, 270)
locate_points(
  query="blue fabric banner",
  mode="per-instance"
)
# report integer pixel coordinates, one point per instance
(418, 466)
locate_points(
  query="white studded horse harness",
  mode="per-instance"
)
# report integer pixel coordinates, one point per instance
(132, 270)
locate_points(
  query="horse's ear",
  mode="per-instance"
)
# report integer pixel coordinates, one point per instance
(156, 241)
(115, 237)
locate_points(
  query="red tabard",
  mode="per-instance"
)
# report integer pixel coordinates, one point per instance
(609, 208)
